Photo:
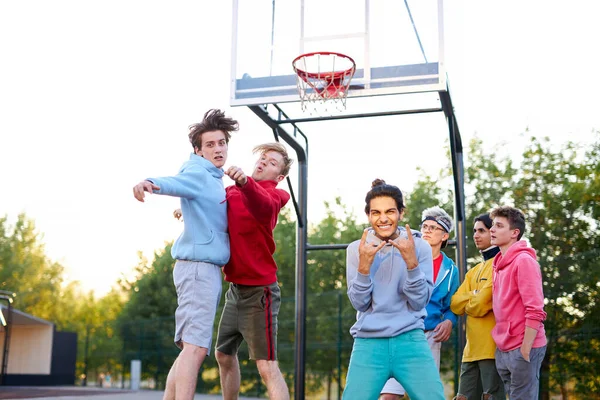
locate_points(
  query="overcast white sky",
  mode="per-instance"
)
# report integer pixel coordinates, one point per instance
(97, 95)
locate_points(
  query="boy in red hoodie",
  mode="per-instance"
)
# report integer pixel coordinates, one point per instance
(253, 299)
(518, 303)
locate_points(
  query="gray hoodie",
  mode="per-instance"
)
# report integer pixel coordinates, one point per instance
(390, 300)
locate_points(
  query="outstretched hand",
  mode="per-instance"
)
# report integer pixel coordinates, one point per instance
(237, 175)
(406, 246)
(366, 253)
(143, 186)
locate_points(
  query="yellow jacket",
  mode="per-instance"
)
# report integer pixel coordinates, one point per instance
(474, 298)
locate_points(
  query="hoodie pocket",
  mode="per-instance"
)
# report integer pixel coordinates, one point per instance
(205, 239)
(216, 249)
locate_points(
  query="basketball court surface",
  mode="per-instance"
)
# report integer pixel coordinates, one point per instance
(80, 393)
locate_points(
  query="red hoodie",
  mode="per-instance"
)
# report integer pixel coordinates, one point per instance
(252, 212)
(518, 299)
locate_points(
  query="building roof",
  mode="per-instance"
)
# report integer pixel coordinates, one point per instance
(22, 318)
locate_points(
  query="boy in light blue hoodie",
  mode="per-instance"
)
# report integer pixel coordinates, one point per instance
(390, 281)
(201, 250)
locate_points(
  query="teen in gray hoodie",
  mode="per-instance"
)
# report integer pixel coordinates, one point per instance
(390, 280)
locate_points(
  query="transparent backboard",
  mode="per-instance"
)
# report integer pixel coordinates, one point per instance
(397, 45)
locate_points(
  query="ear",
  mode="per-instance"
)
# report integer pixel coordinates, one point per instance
(279, 178)
(198, 152)
(446, 236)
(515, 233)
(402, 213)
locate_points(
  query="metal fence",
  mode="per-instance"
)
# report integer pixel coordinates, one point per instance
(571, 365)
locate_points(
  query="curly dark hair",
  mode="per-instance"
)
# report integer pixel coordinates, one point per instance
(214, 120)
(381, 189)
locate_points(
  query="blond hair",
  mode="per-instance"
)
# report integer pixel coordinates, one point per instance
(279, 148)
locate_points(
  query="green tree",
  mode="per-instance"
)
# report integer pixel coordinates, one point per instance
(26, 270)
(99, 343)
(42, 291)
(558, 188)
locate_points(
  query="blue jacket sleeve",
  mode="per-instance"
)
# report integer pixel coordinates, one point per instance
(418, 285)
(454, 283)
(187, 183)
(360, 286)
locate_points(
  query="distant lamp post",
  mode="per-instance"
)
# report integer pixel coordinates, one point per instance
(8, 296)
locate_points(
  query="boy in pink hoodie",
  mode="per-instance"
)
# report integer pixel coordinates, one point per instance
(518, 303)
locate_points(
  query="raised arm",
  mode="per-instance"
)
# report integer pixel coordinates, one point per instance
(359, 258)
(418, 285)
(261, 203)
(188, 183)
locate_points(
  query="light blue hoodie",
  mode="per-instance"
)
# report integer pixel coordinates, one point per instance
(199, 185)
(390, 300)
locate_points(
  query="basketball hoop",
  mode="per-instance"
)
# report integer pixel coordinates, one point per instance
(323, 77)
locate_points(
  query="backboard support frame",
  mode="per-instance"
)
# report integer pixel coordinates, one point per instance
(262, 100)
(278, 125)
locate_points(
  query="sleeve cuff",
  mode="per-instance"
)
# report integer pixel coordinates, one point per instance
(362, 278)
(414, 273)
(533, 324)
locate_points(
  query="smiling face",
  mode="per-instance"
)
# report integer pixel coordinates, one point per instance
(214, 148)
(268, 167)
(481, 236)
(384, 216)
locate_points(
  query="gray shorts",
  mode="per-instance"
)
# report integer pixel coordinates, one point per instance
(198, 286)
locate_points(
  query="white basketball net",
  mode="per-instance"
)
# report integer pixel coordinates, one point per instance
(323, 79)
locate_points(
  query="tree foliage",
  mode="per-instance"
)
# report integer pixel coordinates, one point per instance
(558, 188)
(41, 291)
(26, 270)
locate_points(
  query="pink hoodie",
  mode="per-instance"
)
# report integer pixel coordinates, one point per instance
(518, 299)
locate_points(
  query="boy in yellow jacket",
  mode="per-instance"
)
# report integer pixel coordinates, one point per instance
(478, 375)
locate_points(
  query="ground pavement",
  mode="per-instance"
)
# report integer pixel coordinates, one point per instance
(81, 393)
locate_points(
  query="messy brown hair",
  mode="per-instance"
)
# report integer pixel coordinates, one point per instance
(214, 120)
(515, 217)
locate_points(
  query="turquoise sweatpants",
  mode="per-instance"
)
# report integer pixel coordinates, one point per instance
(406, 357)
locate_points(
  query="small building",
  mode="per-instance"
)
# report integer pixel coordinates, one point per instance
(37, 354)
